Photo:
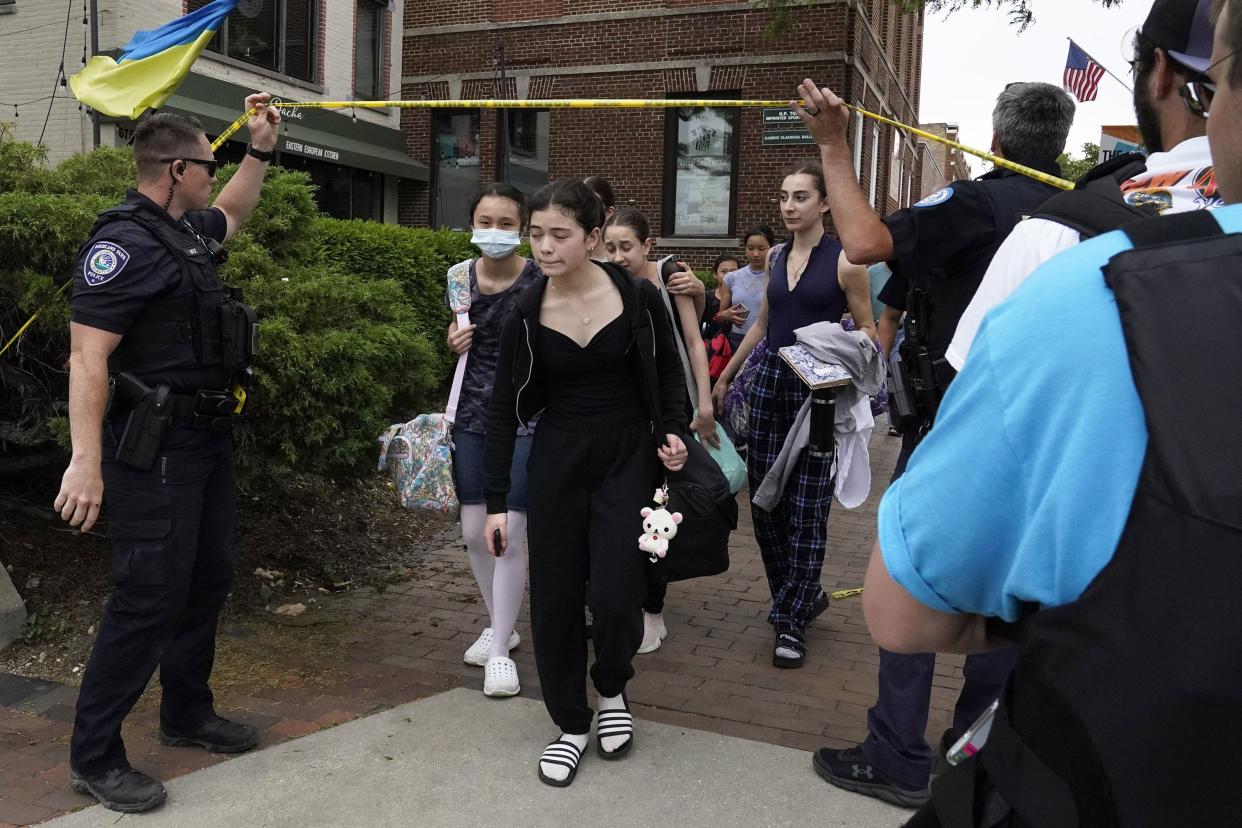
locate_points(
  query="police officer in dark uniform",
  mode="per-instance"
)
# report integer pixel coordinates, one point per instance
(938, 251)
(160, 354)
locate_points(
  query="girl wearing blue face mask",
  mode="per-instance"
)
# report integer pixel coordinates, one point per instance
(497, 214)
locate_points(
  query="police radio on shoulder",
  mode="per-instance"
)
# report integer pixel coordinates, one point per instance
(265, 156)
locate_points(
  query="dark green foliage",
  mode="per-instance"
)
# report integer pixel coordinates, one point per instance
(43, 231)
(417, 259)
(336, 352)
(1073, 169)
(353, 318)
(106, 172)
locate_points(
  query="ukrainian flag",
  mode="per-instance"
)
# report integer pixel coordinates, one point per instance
(151, 66)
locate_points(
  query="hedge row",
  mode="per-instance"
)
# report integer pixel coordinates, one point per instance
(352, 313)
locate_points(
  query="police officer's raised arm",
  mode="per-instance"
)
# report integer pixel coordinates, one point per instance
(865, 238)
(239, 197)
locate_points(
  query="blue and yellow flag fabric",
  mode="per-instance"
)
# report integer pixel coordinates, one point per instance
(151, 66)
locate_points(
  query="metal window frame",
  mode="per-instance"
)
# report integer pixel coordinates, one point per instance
(668, 223)
(380, 6)
(282, 40)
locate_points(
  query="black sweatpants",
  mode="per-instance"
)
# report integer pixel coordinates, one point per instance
(171, 531)
(589, 480)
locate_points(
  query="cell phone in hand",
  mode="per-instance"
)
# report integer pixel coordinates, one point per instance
(741, 310)
(496, 544)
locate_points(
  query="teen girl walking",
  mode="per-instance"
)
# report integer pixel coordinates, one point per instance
(590, 348)
(627, 238)
(746, 286)
(497, 214)
(809, 280)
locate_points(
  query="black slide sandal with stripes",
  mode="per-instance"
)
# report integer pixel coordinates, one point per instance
(563, 753)
(614, 723)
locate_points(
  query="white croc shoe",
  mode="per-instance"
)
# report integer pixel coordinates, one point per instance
(477, 654)
(501, 679)
(654, 633)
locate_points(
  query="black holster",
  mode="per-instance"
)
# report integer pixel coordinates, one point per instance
(142, 421)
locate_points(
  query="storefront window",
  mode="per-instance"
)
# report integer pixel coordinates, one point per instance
(341, 192)
(528, 148)
(274, 34)
(455, 137)
(700, 166)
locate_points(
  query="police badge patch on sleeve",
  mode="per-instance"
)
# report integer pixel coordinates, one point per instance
(936, 198)
(103, 262)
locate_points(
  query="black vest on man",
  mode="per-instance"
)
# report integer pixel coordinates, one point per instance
(192, 340)
(1009, 197)
(1125, 708)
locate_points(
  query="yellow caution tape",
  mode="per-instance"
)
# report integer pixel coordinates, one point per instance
(30, 321)
(632, 103)
(604, 103)
(846, 593)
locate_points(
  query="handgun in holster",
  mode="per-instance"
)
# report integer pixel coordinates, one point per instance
(143, 418)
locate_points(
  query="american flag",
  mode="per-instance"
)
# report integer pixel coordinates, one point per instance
(1082, 74)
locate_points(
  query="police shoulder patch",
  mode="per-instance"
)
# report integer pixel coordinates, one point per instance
(939, 197)
(103, 262)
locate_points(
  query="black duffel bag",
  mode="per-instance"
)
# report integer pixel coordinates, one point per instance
(708, 509)
(700, 490)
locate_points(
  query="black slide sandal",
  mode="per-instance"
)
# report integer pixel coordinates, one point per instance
(614, 723)
(789, 641)
(563, 753)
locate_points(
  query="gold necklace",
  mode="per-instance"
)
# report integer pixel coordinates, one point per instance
(796, 277)
(585, 317)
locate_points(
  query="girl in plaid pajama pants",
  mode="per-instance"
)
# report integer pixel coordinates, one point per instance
(810, 280)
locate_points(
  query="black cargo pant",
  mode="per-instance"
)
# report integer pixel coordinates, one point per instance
(588, 484)
(171, 532)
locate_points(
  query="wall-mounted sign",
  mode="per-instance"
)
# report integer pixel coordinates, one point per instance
(780, 116)
(786, 137)
(311, 150)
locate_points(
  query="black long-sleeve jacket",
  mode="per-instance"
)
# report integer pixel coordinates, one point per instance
(518, 393)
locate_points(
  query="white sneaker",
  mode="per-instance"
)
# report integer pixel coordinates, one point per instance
(654, 632)
(501, 679)
(477, 654)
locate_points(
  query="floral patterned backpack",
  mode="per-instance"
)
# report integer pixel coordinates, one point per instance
(419, 454)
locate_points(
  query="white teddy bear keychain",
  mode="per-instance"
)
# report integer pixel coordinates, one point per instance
(659, 527)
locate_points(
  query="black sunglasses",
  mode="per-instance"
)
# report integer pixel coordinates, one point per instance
(210, 163)
(1197, 95)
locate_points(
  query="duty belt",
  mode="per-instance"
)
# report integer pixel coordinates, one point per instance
(206, 410)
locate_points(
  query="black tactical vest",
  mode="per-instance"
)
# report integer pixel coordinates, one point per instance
(193, 341)
(1125, 708)
(1010, 197)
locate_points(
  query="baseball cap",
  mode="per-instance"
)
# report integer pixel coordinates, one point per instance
(1183, 28)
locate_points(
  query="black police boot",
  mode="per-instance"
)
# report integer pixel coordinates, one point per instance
(217, 735)
(121, 789)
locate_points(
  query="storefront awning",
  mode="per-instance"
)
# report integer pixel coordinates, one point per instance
(319, 134)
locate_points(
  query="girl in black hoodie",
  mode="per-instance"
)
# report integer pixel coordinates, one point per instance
(588, 349)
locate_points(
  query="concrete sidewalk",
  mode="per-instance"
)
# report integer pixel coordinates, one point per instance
(460, 758)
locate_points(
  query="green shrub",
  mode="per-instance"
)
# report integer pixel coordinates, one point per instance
(43, 232)
(417, 259)
(336, 354)
(106, 172)
(352, 313)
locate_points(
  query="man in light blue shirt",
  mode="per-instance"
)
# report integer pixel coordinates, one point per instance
(1016, 502)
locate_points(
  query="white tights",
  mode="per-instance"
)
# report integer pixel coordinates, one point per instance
(502, 581)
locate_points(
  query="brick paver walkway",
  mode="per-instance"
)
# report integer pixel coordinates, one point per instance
(714, 671)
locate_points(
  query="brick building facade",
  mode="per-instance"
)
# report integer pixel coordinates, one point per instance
(941, 163)
(701, 175)
(296, 49)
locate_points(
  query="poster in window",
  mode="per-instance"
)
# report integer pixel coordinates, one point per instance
(704, 172)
